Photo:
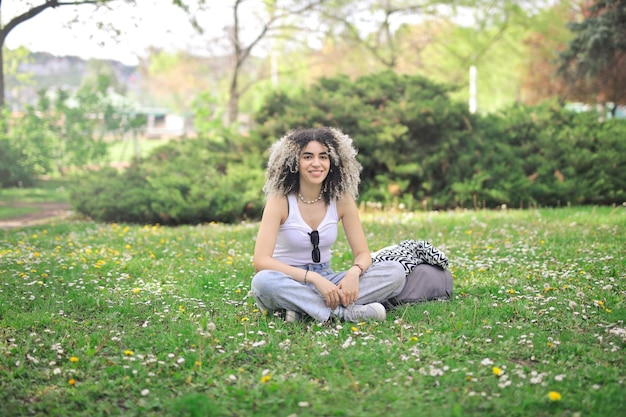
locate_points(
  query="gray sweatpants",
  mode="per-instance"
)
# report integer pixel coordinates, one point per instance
(274, 290)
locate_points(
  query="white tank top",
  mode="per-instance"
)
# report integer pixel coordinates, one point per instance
(293, 245)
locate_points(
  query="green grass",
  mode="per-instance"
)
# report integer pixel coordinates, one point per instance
(159, 323)
(12, 212)
(15, 202)
(124, 151)
(44, 191)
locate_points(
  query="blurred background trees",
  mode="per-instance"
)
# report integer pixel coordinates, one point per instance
(594, 62)
(394, 74)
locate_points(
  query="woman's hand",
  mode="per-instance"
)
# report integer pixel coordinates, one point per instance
(329, 291)
(349, 287)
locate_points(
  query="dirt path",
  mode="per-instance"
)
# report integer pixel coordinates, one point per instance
(46, 212)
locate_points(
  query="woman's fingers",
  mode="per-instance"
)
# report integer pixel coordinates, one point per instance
(333, 299)
(347, 297)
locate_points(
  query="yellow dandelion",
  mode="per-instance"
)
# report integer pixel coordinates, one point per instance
(554, 396)
(511, 291)
(265, 378)
(128, 352)
(354, 329)
(198, 363)
(414, 339)
(497, 371)
(71, 381)
(74, 359)
(136, 290)
(244, 319)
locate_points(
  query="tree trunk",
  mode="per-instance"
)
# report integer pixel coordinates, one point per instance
(27, 15)
(233, 98)
(4, 31)
(2, 36)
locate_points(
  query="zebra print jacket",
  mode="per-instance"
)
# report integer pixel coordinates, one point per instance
(411, 253)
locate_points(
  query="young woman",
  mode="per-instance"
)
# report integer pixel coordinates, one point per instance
(312, 183)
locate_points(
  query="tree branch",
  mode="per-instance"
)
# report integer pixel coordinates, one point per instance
(29, 14)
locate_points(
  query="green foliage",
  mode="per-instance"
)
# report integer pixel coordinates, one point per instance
(405, 127)
(417, 145)
(15, 169)
(12, 58)
(62, 132)
(22, 146)
(108, 195)
(599, 38)
(189, 182)
(557, 157)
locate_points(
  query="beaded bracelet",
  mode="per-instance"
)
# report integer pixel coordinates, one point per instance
(360, 267)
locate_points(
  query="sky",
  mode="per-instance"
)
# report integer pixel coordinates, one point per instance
(150, 23)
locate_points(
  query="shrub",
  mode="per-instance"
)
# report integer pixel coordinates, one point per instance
(407, 130)
(189, 182)
(418, 146)
(15, 169)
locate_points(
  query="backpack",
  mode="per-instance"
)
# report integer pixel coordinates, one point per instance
(427, 276)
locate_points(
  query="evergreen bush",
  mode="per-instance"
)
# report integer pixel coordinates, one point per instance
(406, 128)
(189, 182)
(420, 148)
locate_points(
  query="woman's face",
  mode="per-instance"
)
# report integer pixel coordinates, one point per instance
(314, 163)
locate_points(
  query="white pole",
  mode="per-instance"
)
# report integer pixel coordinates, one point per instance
(472, 90)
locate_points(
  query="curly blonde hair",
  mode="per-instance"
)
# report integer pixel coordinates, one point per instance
(282, 167)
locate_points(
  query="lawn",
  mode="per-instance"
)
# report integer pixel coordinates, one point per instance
(44, 191)
(15, 202)
(126, 150)
(115, 319)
